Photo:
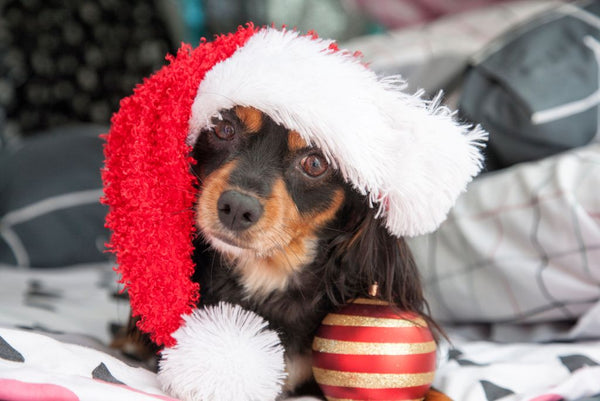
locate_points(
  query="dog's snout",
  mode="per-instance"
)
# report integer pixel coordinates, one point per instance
(238, 211)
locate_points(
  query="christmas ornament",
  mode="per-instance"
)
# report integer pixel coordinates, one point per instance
(368, 350)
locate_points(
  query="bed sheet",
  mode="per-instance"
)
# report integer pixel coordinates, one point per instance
(57, 349)
(475, 370)
(35, 366)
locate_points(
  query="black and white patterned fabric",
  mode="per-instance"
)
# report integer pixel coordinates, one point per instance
(488, 371)
(521, 247)
(37, 367)
(79, 301)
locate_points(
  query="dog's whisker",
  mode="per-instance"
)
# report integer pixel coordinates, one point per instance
(289, 252)
(195, 174)
(280, 245)
(187, 209)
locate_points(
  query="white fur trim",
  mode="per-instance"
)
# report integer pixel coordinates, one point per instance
(409, 155)
(223, 353)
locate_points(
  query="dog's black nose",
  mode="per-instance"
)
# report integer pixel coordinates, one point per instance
(238, 211)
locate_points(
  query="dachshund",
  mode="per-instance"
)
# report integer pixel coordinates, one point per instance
(282, 234)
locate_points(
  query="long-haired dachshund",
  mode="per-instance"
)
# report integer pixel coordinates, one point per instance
(282, 234)
(299, 203)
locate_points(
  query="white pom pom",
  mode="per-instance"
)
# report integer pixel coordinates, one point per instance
(223, 353)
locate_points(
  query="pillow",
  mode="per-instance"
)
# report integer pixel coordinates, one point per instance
(433, 56)
(50, 186)
(522, 245)
(535, 89)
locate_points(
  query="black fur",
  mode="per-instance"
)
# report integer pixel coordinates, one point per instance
(354, 249)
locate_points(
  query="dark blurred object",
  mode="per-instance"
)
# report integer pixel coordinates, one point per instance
(50, 186)
(395, 14)
(336, 19)
(536, 89)
(65, 61)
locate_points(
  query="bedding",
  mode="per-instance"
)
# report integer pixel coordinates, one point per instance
(513, 275)
(533, 89)
(56, 352)
(490, 371)
(521, 249)
(433, 56)
(82, 301)
(55, 323)
(37, 367)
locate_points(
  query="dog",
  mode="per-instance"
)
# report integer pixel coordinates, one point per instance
(282, 234)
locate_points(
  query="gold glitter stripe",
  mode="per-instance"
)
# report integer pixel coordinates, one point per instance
(369, 301)
(334, 319)
(371, 380)
(358, 348)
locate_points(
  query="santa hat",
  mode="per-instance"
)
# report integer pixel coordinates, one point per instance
(408, 155)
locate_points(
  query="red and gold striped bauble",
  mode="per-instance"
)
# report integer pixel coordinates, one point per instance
(371, 351)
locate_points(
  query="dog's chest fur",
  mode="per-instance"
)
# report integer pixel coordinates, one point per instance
(294, 312)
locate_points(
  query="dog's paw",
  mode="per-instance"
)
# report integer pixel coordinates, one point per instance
(135, 346)
(434, 395)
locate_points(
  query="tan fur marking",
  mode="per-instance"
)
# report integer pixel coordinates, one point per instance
(263, 275)
(251, 117)
(213, 186)
(280, 248)
(321, 218)
(279, 244)
(288, 237)
(295, 141)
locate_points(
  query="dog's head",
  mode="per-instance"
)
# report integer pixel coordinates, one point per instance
(264, 190)
(266, 196)
(273, 205)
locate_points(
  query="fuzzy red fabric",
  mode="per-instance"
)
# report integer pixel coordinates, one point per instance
(149, 188)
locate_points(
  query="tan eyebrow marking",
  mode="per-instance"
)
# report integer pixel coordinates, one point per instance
(250, 117)
(295, 141)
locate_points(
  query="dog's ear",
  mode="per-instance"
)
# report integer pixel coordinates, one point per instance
(367, 253)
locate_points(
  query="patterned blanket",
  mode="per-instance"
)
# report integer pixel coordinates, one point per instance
(37, 367)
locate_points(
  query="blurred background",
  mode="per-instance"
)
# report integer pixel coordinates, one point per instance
(65, 65)
(66, 61)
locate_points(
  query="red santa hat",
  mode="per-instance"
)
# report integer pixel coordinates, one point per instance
(408, 155)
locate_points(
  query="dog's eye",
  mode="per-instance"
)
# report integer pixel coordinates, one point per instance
(225, 130)
(314, 165)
